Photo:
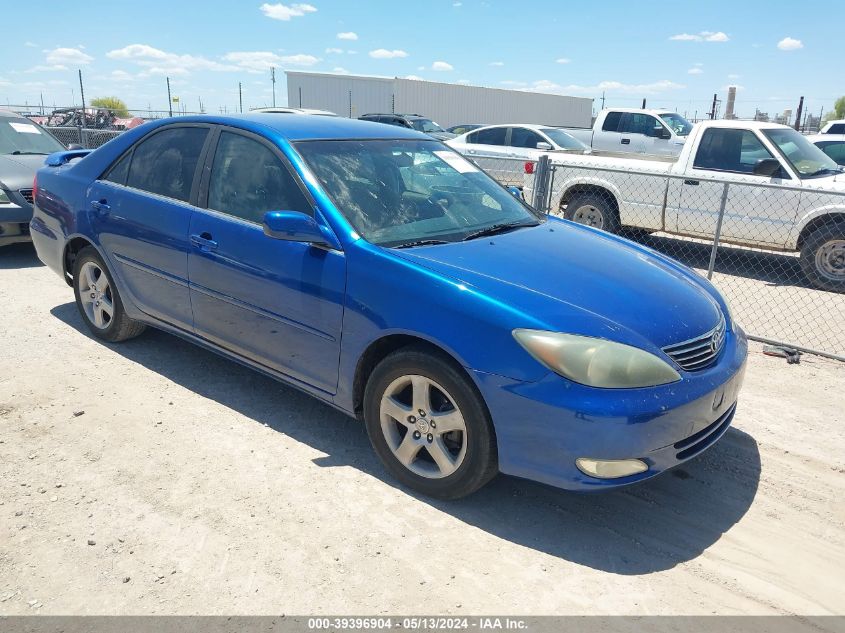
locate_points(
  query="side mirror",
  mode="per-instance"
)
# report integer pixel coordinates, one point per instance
(74, 146)
(544, 146)
(661, 132)
(293, 226)
(516, 192)
(768, 167)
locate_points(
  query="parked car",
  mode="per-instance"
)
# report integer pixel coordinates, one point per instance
(461, 326)
(784, 193)
(312, 111)
(516, 141)
(831, 144)
(412, 122)
(632, 131)
(457, 130)
(23, 146)
(836, 126)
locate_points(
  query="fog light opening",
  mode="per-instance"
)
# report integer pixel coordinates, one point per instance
(610, 468)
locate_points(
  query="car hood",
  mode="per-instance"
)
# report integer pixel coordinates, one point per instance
(582, 281)
(833, 182)
(17, 172)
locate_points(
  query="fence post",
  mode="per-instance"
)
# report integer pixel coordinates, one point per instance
(718, 230)
(541, 183)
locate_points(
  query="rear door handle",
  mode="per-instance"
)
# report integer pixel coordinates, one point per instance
(691, 182)
(204, 242)
(101, 207)
(626, 141)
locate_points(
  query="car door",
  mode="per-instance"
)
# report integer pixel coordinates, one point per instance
(523, 143)
(489, 141)
(758, 209)
(276, 302)
(609, 138)
(140, 212)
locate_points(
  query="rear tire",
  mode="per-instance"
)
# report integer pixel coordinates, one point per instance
(823, 257)
(429, 425)
(98, 300)
(593, 210)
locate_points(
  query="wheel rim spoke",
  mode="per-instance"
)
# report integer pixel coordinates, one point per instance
(449, 421)
(408, 449)
(396, 410)
(441, 456)
(421, 393)
(106, 307)
(98, 316)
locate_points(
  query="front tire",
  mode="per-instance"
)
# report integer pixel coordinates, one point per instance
(428, 424)
(823, 257)
(98, 300)
(593, 210)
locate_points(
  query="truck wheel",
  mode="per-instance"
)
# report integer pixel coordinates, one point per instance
(823, 257)
(594, 210)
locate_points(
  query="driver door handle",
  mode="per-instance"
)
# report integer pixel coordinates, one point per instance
(626, 141)
(204, 242)
(101, 207)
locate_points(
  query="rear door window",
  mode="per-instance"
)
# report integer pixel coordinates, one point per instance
(166, 162)
(523, 137)
(611, 122)
(491, 136)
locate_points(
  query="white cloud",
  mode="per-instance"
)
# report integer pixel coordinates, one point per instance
(121, 75)
(562, 60)
(703, 36)
(695, 70)
(457, 4)
(158, 62)
(282, 12)
(347, 35)
(732, 76)
(442, 66)
(790, 44)
(463, 82)
(68, 57)
(31, 44)
(383, 53)
(339, 70)
(414, 78)
(497, 63)
(544, 85)
(262, 61)
(334, 51)
(513, 84)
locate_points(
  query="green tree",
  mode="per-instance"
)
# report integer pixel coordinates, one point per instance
(838, 111)
(112, 103)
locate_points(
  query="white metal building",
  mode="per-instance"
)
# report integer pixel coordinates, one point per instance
(448, 104)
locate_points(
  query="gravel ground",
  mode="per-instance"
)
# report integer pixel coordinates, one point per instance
(155, 477)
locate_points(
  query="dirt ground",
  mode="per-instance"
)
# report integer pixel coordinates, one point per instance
(153, 477)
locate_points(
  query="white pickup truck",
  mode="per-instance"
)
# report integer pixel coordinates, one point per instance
(780, 193)
(632, 131)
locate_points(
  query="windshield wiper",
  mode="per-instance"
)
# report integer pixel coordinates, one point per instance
(17, 152)
(420, 243)
(495, 229)
(826, 170)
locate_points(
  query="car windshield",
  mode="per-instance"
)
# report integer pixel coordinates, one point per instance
(807, 159)
(404, 192)
(678, 124)
(22, 136)
(425, 125)
(563, 140)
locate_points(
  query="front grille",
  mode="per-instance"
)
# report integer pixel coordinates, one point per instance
(699, 352)
(27, 195)
(697, 442)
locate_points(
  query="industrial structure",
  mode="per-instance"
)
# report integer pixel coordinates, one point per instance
(448, 104)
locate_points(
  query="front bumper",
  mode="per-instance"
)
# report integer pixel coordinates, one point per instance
(544, 426)
(14, 221)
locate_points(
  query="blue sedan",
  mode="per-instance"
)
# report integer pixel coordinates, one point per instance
(378, 270)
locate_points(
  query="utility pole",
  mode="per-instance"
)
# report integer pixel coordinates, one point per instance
(240, 97)
(602, 99)
(797, 125)
(643, 103)
(82, 91)
(42, 105)
(273, 80)
(169, 99)
(713, 108)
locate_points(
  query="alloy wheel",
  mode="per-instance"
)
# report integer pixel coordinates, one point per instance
(96, 295)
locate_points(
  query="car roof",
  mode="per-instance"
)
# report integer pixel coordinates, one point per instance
(827, 138)
(299, 127)
(11, 115)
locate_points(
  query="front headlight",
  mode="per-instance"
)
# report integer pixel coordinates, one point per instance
(596, 362)
(4, 197)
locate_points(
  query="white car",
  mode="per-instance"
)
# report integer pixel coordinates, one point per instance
(831, 144)
(294, 111)
(526, 141)
(836, 126)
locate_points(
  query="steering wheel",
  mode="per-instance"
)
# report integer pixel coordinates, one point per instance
(442, 198)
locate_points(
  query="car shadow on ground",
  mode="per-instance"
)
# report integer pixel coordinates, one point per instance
(20, 255)
(774, 269)
(645, 528)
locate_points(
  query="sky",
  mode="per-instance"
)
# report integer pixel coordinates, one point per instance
(675, 55)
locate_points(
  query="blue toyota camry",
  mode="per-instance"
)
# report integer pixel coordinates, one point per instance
(378, 270)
